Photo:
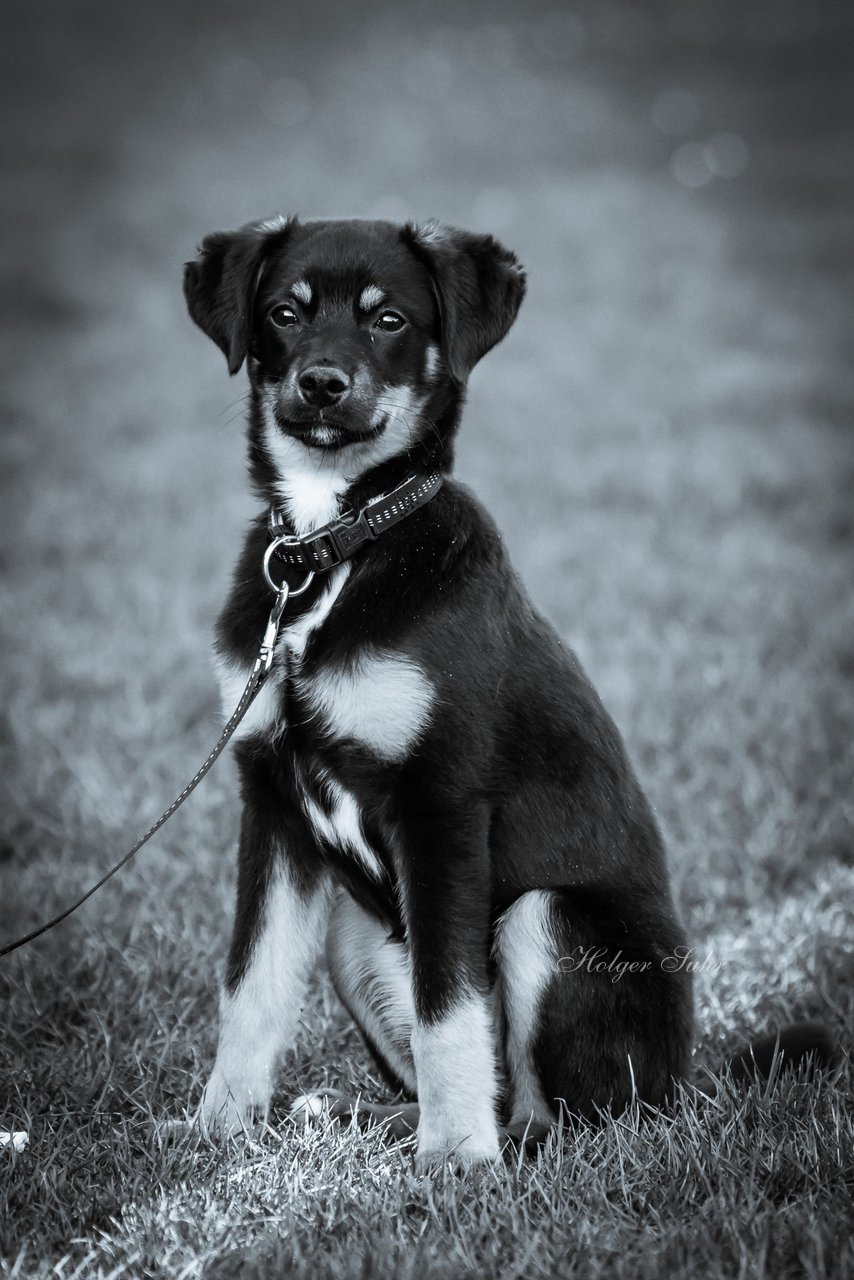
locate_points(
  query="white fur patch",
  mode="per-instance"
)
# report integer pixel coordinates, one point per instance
(311, 482)
(342, 827)
(457, 1082)
(372, 973)
(264, 716)
(277, 223)
(400, 406)
(382, 701)
(301, 290)
(527, 962)
(431, 362)
(431, 233)
(258, 1022)
(324, 435)
(371, 297)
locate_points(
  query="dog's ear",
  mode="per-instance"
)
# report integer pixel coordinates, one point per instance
(221, 283)
(479, 287)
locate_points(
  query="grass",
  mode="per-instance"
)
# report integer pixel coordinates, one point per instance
(665, 439)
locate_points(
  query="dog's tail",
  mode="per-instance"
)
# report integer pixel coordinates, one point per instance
(811, 1045)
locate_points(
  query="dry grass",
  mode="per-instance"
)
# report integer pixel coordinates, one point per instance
(665, 438)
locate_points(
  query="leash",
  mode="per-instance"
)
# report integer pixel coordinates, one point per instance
(317, 552)
(253, 686)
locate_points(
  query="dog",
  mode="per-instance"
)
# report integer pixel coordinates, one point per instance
(430, 783)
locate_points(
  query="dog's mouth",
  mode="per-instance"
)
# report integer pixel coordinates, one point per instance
(327, 433)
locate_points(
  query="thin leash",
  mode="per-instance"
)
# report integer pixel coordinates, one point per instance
(260, 671)
(317, 552)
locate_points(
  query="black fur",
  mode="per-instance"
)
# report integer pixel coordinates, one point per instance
(520, 780)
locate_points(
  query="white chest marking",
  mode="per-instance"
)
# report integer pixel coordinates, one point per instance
(342, 826)
(382, 700)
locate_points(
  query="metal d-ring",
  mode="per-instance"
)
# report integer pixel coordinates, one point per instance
(309, 579)
(274, 586)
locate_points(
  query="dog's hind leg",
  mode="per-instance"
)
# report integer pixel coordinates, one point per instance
(370, 971)
(595, 1014)
(526, 954)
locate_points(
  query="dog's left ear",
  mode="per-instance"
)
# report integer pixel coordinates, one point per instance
(220, 285)
(479, 287)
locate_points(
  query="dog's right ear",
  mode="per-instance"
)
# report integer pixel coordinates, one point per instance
(221, 283)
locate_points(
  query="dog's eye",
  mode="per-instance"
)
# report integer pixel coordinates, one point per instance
(390, 322)
(284, 317)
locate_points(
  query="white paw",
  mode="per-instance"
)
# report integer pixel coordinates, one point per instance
(456, 1144)
(226, 1112)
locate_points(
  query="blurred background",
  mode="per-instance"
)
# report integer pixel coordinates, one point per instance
(665, 436)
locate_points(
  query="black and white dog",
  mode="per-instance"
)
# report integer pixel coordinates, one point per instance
(430, 783)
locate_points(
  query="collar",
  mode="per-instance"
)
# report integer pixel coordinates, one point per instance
(328, 546)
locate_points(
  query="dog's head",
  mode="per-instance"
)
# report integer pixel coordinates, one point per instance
(359, 336)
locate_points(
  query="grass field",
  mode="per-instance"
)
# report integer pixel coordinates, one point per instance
(666, 439)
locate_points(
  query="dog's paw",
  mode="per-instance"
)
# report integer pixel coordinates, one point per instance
(447, 1145)
(224, 1112)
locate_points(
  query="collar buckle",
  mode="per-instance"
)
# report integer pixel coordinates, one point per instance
(324, 548)
(350, 535)
(321, 549)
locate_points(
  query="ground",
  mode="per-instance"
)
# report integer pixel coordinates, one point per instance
(666, 441)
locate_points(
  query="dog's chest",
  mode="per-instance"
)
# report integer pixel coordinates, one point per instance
(379, 701)
(336, 818)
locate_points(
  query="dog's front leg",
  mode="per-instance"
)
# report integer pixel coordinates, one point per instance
(280, 924)
(454, 1044)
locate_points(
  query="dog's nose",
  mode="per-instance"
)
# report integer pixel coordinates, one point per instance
(323, 384)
